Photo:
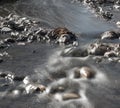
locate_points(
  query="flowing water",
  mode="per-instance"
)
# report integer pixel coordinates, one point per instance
(44, 63)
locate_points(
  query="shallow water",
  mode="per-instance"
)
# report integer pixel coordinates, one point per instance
(43, 62)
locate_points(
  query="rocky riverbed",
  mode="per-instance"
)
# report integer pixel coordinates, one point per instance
(58, 54)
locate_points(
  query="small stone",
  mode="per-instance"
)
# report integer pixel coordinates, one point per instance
(6, 30)
(69, 96)
(87, 72)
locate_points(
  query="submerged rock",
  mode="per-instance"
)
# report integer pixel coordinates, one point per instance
(87, 72)
(84, 72)
(69, 96)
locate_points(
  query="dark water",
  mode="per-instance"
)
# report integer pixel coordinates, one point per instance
(42, 61)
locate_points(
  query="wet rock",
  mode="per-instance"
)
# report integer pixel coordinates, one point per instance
(32, 88)
(77, 73)
(9, 40)
(107, 15)
(3, 75)
(6, 30)
(98, 49)
(1, 60)
(84, 72)
(87, 72)
(118, 24)
(110, 35)
(15, 26)
(62, 35)
(18, 78)
(10, 77)
(57, 89)
(27, 80)
(69, 96)
(110, 54)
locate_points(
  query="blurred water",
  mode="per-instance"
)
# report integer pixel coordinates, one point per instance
(47, 65)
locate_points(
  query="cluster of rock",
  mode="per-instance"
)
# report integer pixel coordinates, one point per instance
(61, 91)
(22, 29)
(105, 47)
(99, 7)
(27, 87)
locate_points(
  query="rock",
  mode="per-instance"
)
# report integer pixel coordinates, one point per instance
(87, 72)
(15, 26)
(9, 40)
(69, 96)
(118, 24)
(107, 15)
(117, 7)
(1, 60)
(110, 54)
(3, 75)
(21, 43)
(57, 89)
(77, 73)
(27, 80)
(98, 49)
(6, 30)
(16, 78)
(31, 88)
(10, 77)
(62, 35)
(109, 35)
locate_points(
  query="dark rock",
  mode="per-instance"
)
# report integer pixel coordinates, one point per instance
(9, 40)
(3, 75)
(77, 73)
(57, 89)
(62, 35)
(15, 26)
(16, 78)
(1, 60)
